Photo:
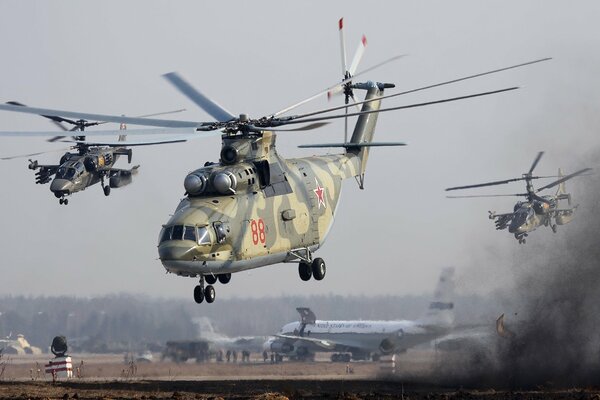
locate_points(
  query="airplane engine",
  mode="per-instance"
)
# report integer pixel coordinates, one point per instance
(387, 346)
(279, 346)
(195, 184)
(120, 179)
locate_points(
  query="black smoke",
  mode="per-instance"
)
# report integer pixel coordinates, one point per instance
(555, 313)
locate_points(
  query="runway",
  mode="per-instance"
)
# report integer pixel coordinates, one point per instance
(107, 376)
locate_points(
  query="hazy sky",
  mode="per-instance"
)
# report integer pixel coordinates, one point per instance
(258, 57)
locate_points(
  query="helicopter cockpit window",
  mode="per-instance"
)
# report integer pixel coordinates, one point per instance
(166, 234)
(177, 232)
(221, 231)
(203, 236)
(189, 233)
(69, 173)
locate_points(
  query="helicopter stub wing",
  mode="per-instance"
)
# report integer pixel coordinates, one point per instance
(501, 220)
(133, 170)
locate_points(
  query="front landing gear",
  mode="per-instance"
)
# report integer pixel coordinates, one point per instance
(202, 293)
(521, 238)
(105, 188)
(64, 201)
(208, 293)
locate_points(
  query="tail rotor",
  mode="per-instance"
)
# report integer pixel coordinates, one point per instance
(347, 72)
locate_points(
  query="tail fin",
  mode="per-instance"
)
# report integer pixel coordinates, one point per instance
(205, 329)
(441, 309)
(365, 126)
(561, 187)
(123, 127)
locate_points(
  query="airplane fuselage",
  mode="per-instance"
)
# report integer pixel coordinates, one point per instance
(360, 337)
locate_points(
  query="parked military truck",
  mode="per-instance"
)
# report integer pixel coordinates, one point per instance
(180, 351)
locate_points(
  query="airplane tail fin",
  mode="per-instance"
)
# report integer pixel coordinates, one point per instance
(205, 329)
(441, 308)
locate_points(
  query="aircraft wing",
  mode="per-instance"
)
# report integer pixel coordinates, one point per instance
(114, 171)
(492, 216)
(561, 210)
(502, 220)
(325, 344)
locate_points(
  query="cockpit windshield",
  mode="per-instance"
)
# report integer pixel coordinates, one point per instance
(65, 173)
(521, 216)
(199, 235)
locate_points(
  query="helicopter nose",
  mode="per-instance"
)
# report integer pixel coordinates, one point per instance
(60, 185)
(175, 252)
(516, 228)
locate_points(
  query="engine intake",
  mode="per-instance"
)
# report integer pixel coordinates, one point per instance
(195, 184)
(225, 182)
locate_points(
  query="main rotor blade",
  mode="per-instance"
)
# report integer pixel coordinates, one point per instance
(300, 121)
(332, 87)
(360, 51)
(486, 195)
(113, 132)
(484, 184)
(138, 143)
(499, 182)
(326, 110)
(149, 115)
(208, 105)
(163, 123)
(342, 46)
(566, 178)
(535, 162)
(308, 127)
(35, 154)
(56, 120)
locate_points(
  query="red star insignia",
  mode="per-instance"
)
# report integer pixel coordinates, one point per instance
(320, 193)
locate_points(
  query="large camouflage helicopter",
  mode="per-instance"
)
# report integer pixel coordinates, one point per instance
(253, 207)
(90, 163)
(537, 210)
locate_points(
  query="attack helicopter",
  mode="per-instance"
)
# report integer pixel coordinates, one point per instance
(90, 163)
(536, 210)
(253, 208)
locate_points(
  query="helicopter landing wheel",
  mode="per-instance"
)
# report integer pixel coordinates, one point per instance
(198, 294)
(210, 294)
(106, 190)
(211, 279)
(63, 201)
(318, 269)
(224, 278)
(304, 270)
(554, 228)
